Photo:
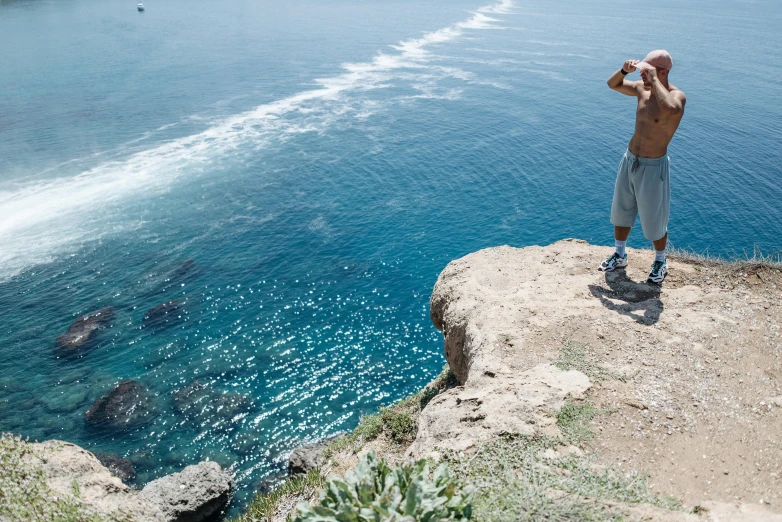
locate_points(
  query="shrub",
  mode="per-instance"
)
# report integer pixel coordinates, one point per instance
(373, 491)
(401, 425)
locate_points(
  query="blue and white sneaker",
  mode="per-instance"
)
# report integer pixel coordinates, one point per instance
(658, 273)
(613, 262)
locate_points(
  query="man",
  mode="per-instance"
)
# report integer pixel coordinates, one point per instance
(643, 181)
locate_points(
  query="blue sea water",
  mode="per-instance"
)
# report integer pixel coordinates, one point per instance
(298, 174)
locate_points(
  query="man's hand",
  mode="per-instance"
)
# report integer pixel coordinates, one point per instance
(651, 75)
(618, 83)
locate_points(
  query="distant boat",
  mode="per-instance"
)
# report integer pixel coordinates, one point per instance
(140, 7)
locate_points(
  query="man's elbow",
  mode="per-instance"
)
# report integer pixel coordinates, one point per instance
(675, 110)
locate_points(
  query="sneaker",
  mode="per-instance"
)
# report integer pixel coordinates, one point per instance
(613, 262)
(658, 273)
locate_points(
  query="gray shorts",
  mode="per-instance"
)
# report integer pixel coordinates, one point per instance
(643, 187)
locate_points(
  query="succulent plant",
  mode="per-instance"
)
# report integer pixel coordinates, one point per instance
(375, 492)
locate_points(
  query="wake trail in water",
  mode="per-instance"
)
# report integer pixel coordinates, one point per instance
(43, 220)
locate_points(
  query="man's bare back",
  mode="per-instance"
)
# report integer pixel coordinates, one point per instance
(660, 109)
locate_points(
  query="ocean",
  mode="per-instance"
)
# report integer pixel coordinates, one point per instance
(295, 175)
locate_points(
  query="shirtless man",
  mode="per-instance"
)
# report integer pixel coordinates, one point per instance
(643, 181)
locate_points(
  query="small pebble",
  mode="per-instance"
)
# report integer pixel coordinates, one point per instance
(725, 471)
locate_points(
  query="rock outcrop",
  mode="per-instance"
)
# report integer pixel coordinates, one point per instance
(196, 494)
(687, 373)
(83, 330)
(306, 458)
(128, 405)
(67, 466)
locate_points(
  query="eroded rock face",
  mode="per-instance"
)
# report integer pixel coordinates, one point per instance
(526, 404)
(66, 464)
(84, 329)
(120, 467)
(128, 405)
(196, 494)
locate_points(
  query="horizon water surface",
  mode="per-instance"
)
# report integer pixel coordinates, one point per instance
(298, 175)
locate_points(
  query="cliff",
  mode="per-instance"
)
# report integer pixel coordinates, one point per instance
(581, 374)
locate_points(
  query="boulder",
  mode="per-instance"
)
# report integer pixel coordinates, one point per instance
(198, 493)
(309, 456)
(126, 406)
(119, 467)
(305, 458)
(84, 329)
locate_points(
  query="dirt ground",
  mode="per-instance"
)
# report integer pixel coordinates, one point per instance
(701, 408)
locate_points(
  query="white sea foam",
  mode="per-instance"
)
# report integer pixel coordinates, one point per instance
(44, 219)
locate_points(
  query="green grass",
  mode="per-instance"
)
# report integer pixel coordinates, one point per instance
(515, 483)
(573, 421)
(25, 495)
(573, 356)
(300, 487)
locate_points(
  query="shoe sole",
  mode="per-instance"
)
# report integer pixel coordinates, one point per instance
(611, 269)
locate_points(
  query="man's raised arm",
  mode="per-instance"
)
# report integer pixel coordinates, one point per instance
(618, 83)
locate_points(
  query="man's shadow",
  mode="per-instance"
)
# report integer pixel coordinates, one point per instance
(637, 297)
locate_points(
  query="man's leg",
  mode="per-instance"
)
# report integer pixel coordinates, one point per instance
(624, 210)
(660, 244)
(620, 236)
(622, 233)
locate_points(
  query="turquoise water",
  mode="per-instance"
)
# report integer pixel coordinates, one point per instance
(313, 166)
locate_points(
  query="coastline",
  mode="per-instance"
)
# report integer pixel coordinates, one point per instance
(590, 381)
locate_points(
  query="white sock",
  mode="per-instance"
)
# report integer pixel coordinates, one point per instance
(659, 255)
(620, 247)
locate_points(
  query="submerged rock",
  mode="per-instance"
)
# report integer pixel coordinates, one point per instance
(127, 405)
(84, 329)
(119, 467)
(197, 493)
(164, 313)
(197, 399)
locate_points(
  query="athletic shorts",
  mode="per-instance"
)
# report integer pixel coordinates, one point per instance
(643, 188)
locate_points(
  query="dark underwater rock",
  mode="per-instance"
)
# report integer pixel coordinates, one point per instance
(84, 329)
(164, 313)
(143, 459)
(126, 406)
(197, 399)
(120, 467)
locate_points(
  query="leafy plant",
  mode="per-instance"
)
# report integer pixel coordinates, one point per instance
(375, 492)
